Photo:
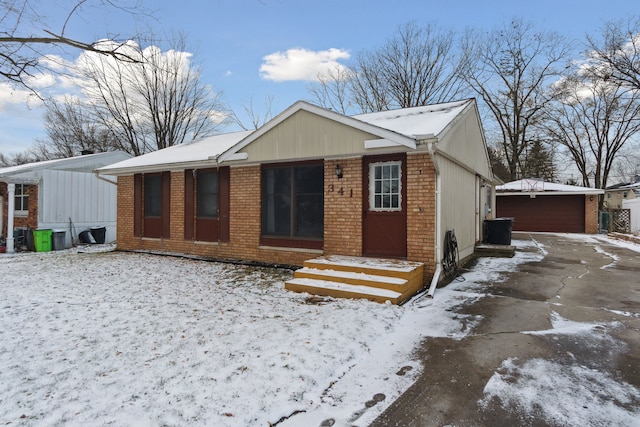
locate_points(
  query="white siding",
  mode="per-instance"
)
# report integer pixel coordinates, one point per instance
(75, 201)
(460, 198)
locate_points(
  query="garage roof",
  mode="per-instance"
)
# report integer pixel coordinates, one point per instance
(540, 187)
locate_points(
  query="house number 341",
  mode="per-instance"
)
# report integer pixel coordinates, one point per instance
(341, 191)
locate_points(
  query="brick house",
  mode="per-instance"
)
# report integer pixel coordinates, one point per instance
(56, 193)
(313, 182)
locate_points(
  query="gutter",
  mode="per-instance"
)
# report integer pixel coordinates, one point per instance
(101, 178)
(438, 255)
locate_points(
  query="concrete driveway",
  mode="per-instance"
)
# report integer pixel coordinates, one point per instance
(580, 281)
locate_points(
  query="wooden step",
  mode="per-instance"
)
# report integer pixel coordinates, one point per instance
(375, 266)
(396, 284)
(342, 290)
(375, 279)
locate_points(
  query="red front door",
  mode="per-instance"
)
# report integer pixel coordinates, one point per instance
(385, 206)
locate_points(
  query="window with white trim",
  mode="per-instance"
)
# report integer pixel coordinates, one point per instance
(385, 186)
(21, 200)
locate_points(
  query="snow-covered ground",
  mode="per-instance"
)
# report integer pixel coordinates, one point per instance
(132, 339)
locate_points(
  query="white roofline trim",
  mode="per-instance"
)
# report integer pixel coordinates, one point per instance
(159, 167)
(328, 114)
(379, 143)
(595, 191)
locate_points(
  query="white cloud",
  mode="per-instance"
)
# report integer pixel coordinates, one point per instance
(12, 94)
(301, 64)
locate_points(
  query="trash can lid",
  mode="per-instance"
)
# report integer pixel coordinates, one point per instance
(97, 227)
(58, 230)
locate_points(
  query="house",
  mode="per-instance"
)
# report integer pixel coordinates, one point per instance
(537, 205)
(315, 184)
(58, 194)
(615, 195)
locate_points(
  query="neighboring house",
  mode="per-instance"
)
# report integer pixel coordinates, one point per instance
(537, 205)
(314, 182)
(58, 194)
(615, 195)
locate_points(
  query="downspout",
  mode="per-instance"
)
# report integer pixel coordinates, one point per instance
(438, 254)
(11, 205)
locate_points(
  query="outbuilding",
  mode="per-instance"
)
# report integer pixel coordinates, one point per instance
(312, 183)
(61, 194)
(537, 205)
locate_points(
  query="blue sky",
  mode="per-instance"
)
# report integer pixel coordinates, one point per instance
(232, 39)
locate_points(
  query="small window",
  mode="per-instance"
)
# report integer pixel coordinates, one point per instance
(207, 182)
(385, 192)
(21, 200)
(624, 194)
(153, 195)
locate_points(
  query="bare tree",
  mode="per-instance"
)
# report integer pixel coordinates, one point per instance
(255, 117)
(615, 52)
(593, 119)
(332, 91)
(71, 131)
(509, 68)
(25, 39)
(418, 66)
(155, 102)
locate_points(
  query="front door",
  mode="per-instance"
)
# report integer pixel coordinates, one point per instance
(385, 206)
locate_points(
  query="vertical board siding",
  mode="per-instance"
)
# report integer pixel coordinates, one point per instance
(79, 198)
(459, 200)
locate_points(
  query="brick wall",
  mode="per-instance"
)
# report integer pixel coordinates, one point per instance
(343, 212)
(590, 214)
(343, 207)
(421, 205)
(31, 220)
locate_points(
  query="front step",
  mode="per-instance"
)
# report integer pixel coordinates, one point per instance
(375, 279)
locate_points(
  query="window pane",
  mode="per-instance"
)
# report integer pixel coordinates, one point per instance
(292, 201)
(207, 194)
(152, 195)
(277, 215)
(385, 186)
(310, 216)
(309, 179)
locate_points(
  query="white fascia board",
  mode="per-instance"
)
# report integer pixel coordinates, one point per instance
(380, 143)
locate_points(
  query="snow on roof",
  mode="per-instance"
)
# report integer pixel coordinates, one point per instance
(416, 121)
(86, 162)
(540, 186)
(405, 125)
(201, 150)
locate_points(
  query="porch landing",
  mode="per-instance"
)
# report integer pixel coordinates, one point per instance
(375, 279)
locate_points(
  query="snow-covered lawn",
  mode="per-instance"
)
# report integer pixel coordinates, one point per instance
(134, 339)
(131, 339)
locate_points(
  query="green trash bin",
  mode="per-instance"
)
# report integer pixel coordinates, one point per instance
(42, 239)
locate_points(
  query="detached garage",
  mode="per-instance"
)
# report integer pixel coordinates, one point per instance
(545, 206)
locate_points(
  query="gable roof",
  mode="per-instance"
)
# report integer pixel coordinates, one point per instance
(538, 186)
(84, 163)
(417, 122)
(403, 127)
